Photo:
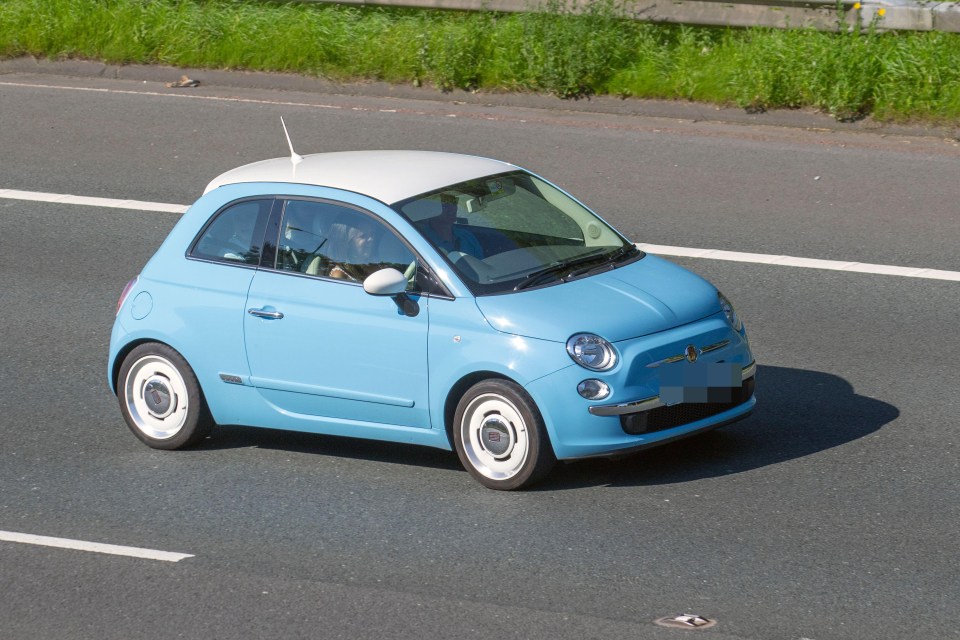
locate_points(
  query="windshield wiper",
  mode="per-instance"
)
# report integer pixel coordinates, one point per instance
(537, 276)
(609, 262)
(624, 252)
(554, 269)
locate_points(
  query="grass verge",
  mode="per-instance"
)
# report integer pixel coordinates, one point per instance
(891, 76)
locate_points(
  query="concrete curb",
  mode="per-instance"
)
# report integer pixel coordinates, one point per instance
(677, 110)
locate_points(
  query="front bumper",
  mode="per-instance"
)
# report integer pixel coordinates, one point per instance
(648, 404)
(635, 416)
(657, 414)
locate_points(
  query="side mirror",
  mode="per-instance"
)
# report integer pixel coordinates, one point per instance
(385, 282)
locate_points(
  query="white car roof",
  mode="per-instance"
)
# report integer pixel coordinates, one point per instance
(388, 176)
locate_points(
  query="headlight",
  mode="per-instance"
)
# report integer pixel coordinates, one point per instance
(730, 312)
(592, 352)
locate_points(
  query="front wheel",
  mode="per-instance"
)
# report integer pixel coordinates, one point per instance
(161, 399)
(500, 436)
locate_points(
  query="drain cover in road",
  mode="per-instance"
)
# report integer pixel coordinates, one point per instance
(686, 621)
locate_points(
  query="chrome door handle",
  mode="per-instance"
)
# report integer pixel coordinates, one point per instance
(263, 313)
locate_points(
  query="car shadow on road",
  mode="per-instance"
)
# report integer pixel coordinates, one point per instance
(798, 413)
(236, 437)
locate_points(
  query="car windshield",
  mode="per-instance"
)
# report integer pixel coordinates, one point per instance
(514, 231)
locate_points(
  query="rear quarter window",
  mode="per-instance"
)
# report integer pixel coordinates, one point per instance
(234, 234)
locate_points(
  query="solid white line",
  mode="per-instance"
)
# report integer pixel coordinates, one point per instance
(659, 249)
(62, 198)
(806, 263)
(96, 547)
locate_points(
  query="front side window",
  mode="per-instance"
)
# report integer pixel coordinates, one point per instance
(512, 231)
(235, 234)
(333, 241)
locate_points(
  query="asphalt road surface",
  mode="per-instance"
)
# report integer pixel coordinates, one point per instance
(831, 513)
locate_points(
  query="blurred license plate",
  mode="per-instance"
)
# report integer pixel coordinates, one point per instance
(684, 382)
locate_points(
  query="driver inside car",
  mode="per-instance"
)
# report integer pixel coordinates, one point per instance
(445, 234)
(355, 244)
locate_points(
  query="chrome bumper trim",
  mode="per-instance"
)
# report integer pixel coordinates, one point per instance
(652, 403)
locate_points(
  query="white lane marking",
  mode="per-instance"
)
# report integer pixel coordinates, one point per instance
(96, 547)
(806, 263)
(186, 96)
(659, 249)
(63, 198)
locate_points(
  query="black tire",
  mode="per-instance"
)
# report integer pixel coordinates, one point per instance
(160, 398)
(500, 436)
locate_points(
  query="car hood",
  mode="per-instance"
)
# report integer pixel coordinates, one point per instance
(638, 299)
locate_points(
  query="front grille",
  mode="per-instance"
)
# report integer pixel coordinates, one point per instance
(679, 414)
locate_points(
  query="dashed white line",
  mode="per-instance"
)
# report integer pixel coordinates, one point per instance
(95, 547)
(659, 249)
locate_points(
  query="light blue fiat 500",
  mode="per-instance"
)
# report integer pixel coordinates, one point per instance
(428, 298)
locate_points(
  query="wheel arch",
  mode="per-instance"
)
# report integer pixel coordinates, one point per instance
(125, 351)
(456, 392)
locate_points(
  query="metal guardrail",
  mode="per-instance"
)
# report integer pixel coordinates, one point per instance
(888, 15)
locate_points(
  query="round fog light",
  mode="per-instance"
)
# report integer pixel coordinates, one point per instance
(593, 389)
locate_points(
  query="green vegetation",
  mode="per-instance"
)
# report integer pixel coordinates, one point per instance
(892, 76)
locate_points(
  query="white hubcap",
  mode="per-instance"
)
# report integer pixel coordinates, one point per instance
(494, 437)
(156, 397)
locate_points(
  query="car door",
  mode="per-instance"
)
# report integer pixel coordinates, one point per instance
(320, 348)
(201, 298)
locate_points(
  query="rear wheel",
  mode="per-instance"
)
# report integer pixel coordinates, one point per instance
(500, 436)
(161, 399)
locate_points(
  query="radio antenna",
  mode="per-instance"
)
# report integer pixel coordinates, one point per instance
(295, 157)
